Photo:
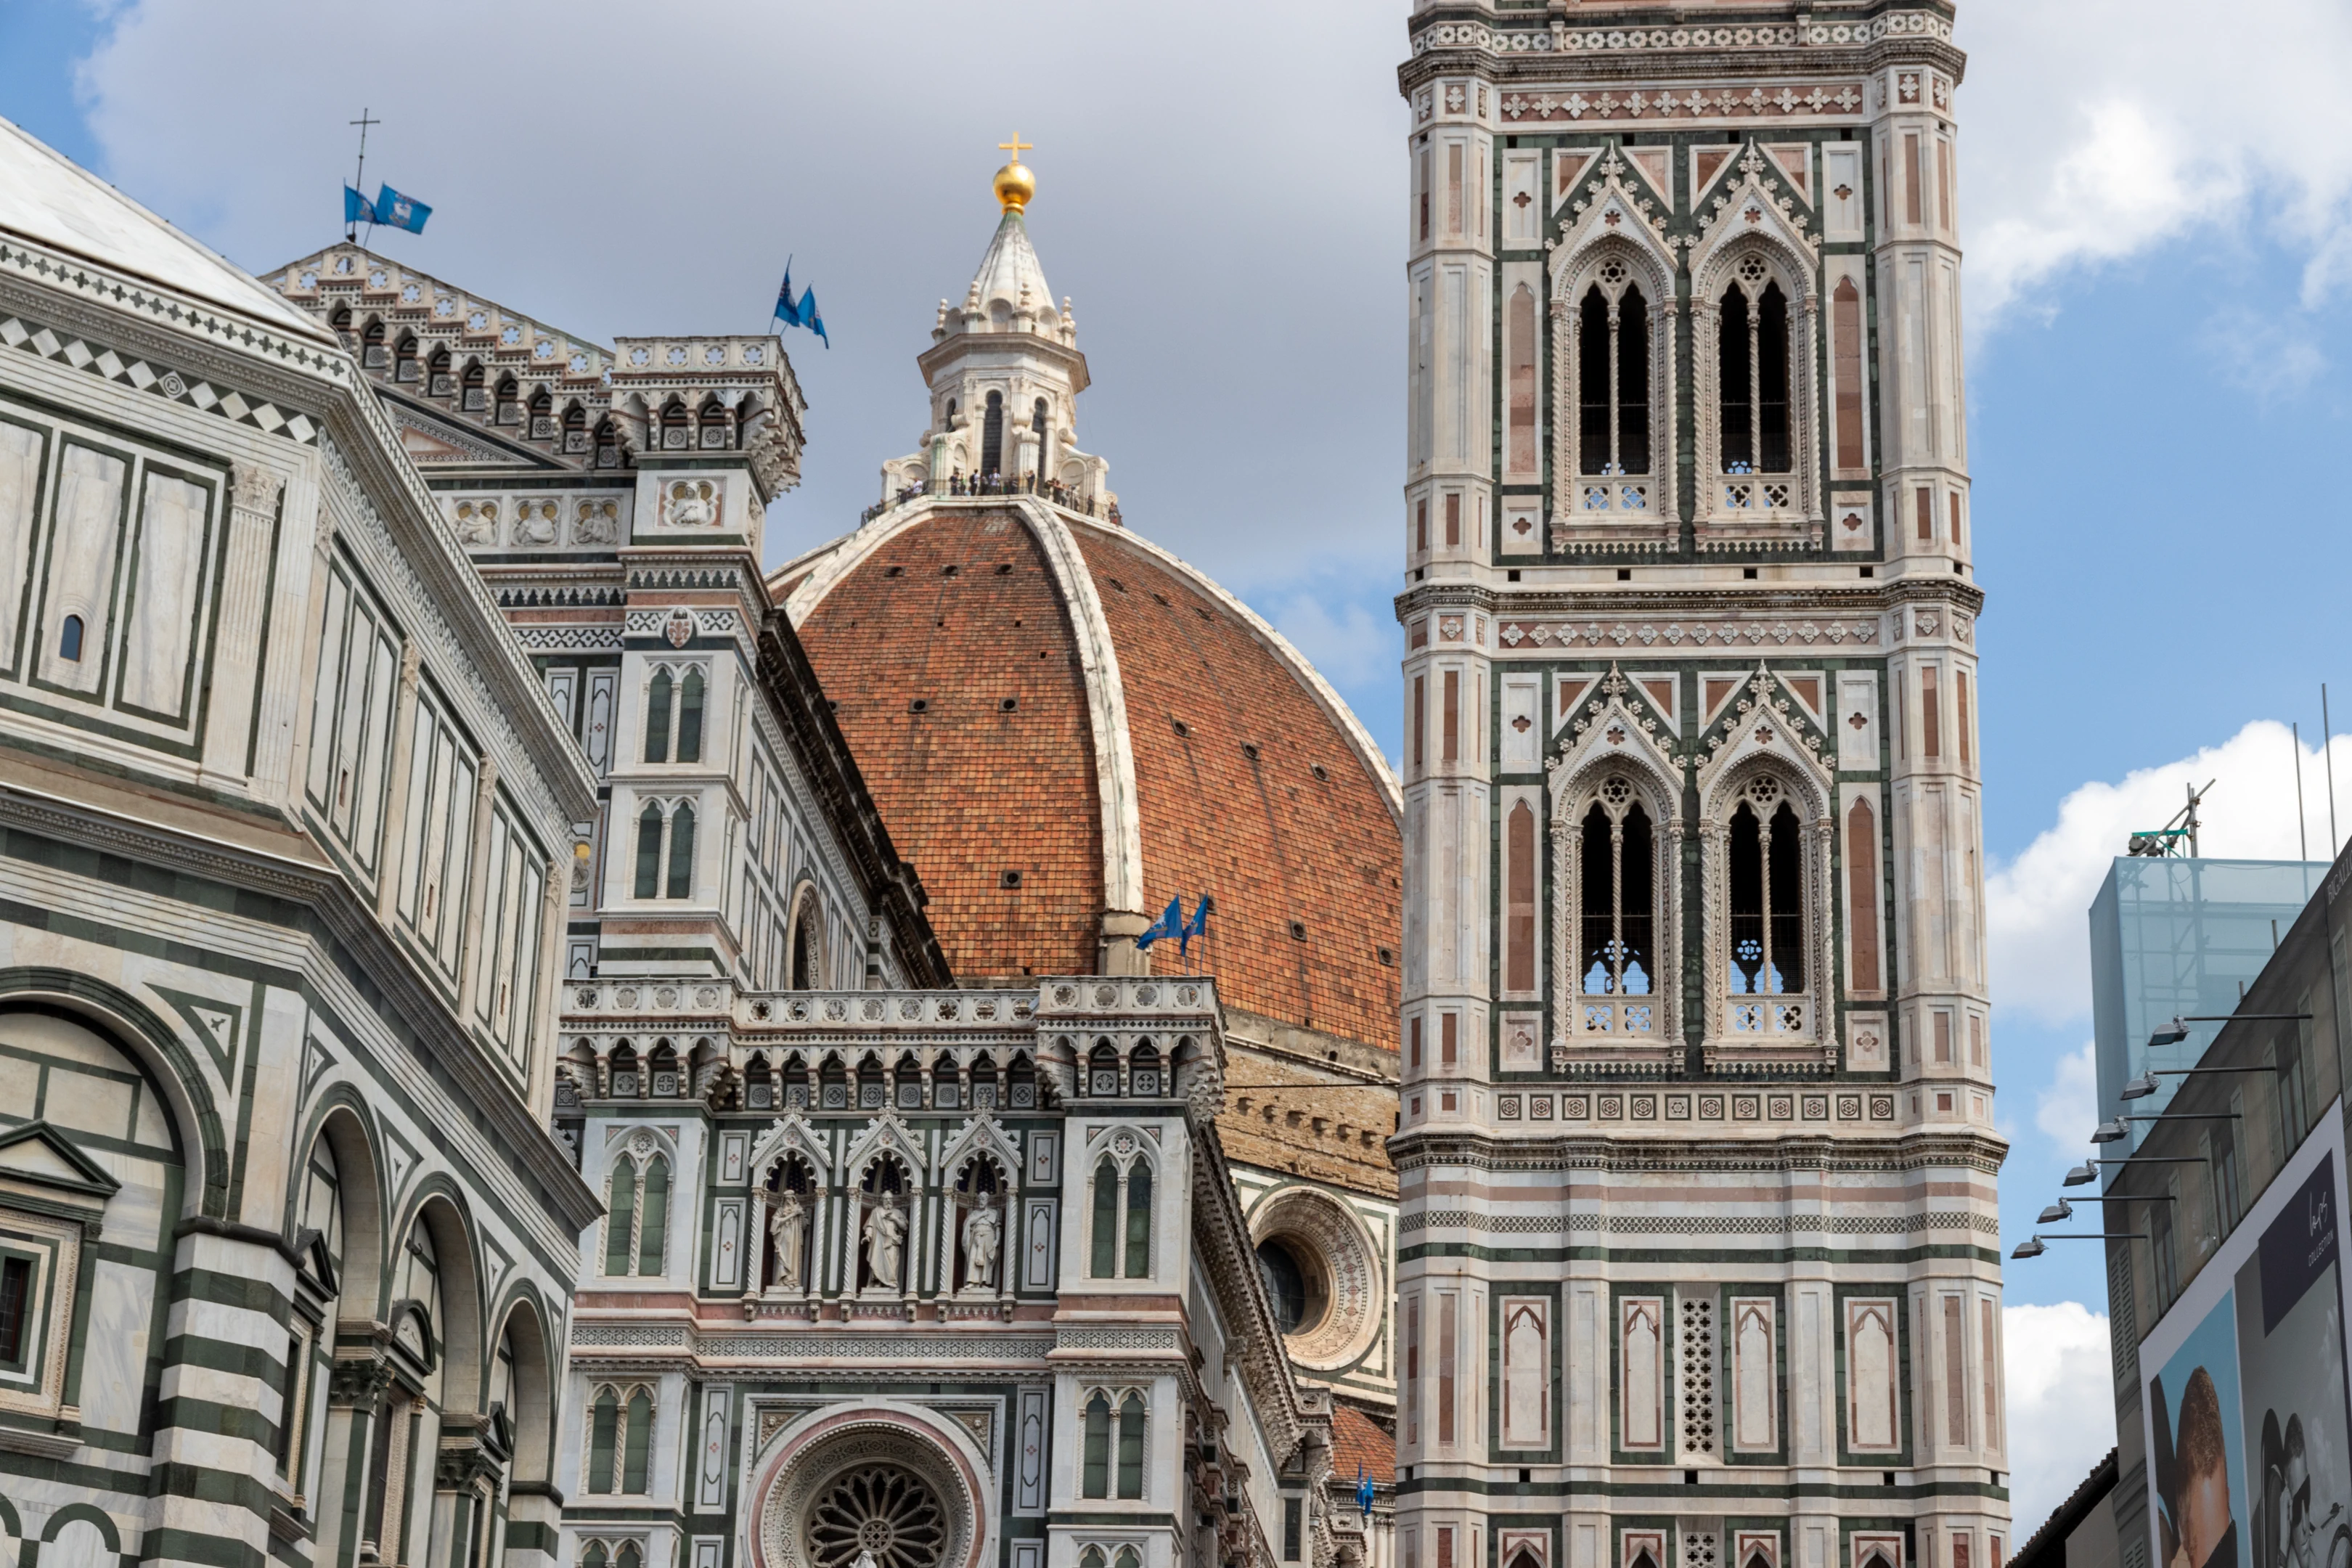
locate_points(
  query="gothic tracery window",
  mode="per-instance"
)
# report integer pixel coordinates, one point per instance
(1766, 885)
(1752, 389)
(1617, 895)
(1614, 376)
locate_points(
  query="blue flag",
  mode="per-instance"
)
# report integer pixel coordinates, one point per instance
(787, 311)
(1366, 1492)
(357, 208)
(1197, 926)
(393, 210)
(811, 320)
(1170, 923)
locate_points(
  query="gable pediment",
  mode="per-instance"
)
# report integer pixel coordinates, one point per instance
(39, 1154)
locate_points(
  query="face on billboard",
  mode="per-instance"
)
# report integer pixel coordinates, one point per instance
(2199, 1447)
(2248, 1423)
(2291, 1367)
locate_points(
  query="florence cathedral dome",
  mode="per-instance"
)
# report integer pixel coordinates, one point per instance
(1065, 725)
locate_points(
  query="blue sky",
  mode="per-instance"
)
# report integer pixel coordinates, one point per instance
(2160, 283)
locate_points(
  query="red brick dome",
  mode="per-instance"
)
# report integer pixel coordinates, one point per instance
(1065, 725)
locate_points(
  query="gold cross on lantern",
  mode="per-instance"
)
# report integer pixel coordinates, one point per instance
(1016, 147)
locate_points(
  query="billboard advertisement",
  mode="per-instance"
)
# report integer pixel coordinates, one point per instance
(2243, 1391)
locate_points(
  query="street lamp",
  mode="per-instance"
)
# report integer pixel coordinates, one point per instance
(2031, 1246)
(2055, 1213)
(2088, 1171)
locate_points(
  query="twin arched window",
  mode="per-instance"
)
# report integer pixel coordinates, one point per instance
(619, 1439)
(636, 1218)
(677, 827)
(1096, 1466)
(674, 716)
(1121, 1249)
(1752, 372)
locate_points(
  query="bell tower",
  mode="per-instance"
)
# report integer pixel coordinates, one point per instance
(1695, 1012)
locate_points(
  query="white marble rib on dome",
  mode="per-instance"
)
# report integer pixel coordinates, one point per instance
(56, 205)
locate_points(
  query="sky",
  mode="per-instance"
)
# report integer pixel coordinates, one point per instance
(2157, 204)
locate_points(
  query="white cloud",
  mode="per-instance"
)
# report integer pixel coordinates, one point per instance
(2061, 1405)
(2037, 905)
(2067, 1106)
(612, 170)
(2095, 129)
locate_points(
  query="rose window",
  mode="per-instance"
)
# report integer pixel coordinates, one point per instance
(880, 1509)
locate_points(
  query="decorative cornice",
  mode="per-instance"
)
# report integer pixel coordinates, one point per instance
(1472, 1149)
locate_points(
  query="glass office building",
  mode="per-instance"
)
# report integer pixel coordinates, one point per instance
(2180, 937)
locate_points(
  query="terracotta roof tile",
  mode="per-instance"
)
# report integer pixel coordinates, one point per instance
(968, 788)
(1232, 806)
(1359, 1446)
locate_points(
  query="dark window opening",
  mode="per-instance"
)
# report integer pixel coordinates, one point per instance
(16, 1306)
(992, 439)
(1617, 899)
(1752, 371)
(1612, 359)
(69, 639)
(1767, 948)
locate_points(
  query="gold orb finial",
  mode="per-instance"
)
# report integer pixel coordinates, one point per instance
(1015, 183)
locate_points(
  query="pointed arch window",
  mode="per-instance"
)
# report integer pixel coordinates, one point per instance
(620, 1216)
(1103, 1263)
(1138, 1227)
(653, 1219)
(649, 851)
(1120, 1232)
(620, 1441)
(1766, 972)
(681, 853)
(1608, 417)
(1616, 960)
(1095, 1466)
(807, 961)
(659, 692)
(603, 1438)
(676, 701)
(665, 839)
(1130, 1446)
(1756, 364)
(636, 1217)
(1612, 345)
(689, 717)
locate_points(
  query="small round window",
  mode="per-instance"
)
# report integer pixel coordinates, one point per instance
(1294, 1284)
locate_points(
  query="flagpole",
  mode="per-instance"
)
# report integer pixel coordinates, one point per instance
(359, 174)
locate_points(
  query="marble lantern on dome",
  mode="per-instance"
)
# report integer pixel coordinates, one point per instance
(1004, 371)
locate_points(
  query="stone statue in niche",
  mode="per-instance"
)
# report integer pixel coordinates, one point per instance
(885, 1242)
(983, 1239)
(535, 523)
(788, 1227)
